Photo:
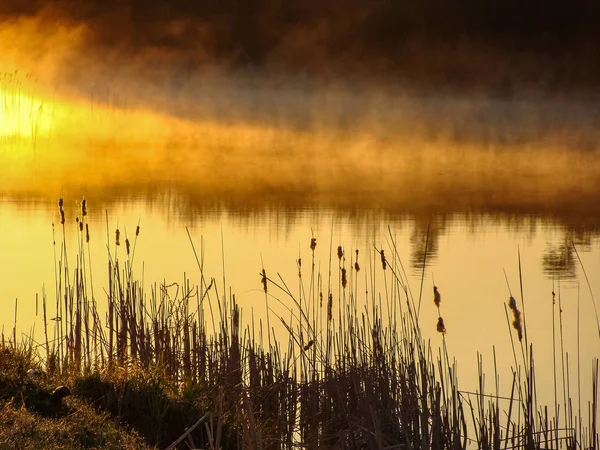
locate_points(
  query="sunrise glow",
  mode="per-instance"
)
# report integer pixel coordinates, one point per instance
(22, 115)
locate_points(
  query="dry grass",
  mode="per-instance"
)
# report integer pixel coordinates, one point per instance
(30, 420)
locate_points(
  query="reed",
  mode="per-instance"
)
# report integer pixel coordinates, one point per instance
(347, 377)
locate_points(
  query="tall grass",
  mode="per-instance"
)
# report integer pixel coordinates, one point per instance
(174, 362)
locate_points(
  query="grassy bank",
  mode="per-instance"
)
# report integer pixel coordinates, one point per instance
(30, 419)
(171, 366)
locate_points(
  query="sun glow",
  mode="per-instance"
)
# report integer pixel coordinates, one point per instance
(22, 114)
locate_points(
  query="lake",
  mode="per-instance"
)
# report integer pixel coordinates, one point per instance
(483, 197)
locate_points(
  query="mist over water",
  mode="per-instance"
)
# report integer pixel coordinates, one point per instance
(131, 118)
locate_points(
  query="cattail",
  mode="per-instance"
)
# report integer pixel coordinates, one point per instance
(62, 217)
(330, 307)
(437, 298)
(340, 252)
(313, 243)
(81, 226)
(441, 328)
(60, 203)
(127, 245)
(309, 345)
(320, 299)
(263, 280)
(356, 266)
(83, 208)
(512, 304)
(87, 233)
(137, 231)
(383, 260)
(344, 279)
(117, 235)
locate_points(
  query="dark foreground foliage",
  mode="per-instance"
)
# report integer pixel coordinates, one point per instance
(29, 419)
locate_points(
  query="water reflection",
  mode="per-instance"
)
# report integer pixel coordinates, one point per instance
(281, 218)
(560, 260)
(424, 239)
(191, 204)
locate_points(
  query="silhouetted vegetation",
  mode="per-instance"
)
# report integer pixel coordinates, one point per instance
(176, 366)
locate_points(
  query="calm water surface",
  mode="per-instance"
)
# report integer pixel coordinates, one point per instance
(481, 187)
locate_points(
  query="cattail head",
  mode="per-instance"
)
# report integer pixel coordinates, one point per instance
(383, 260)
(127, 245)
(437, 298)
(441, 328)
(81, 226)
(117, 236)
(344, 279)
(263, 280)
(137, 231)
(83, 208)
(356, 266)
(340, 252)
(516, 323)
(309, 345)
(313, 243)
(60, 203)
(62, 217)
(321, 299)
(330, 307)
(87, 233)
